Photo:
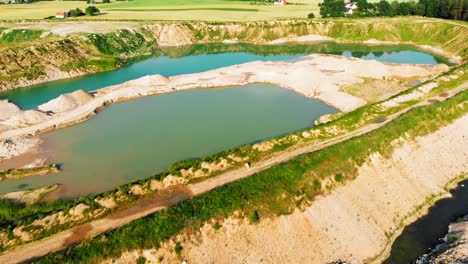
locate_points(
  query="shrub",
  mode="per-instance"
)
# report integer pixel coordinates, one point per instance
(178, 248)
(255, 217)
(338, 177)
(311, 15)
(141, 259)
(92, 11)
(76, 12)
(105, 1)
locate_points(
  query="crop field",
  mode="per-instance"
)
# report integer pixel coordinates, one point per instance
(200, 10)
(208, 10)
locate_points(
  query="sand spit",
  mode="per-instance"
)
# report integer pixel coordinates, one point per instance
(315, 76)
(29, 196)
(355, 223)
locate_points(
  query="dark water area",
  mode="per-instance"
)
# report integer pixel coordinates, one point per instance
(423, 235)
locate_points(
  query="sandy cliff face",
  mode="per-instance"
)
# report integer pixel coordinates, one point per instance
(355, 222)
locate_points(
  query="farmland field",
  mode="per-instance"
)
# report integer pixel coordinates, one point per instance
(211, 10)
(206, 10)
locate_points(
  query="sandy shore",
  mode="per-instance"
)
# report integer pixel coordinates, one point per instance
(315, 76)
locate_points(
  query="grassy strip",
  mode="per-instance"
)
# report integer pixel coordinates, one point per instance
(276, 191)
(18, 35)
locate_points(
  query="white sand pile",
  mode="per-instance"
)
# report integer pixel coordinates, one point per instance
(16, 146)
(149, 80)
(66, 102)
(25, 118)
(8, 109)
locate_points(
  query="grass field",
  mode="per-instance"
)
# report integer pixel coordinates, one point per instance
(201, 10)
(209, 10)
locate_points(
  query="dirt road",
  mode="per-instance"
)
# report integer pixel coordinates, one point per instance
(164, 200)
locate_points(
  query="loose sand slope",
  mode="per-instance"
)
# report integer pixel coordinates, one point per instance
(352, 223)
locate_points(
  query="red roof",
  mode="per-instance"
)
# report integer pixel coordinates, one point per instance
(60, 13)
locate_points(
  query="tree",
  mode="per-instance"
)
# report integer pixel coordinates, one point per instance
(396, 8)
(418, 9)
(332, 8)
(405, 8)
(365, 8)
(311, 15)
(92, 11)
(76, 12)
(385, 8)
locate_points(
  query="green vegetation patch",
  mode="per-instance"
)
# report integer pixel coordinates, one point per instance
(120, 43)
(275, 191)
(18, 35)
(98, 65)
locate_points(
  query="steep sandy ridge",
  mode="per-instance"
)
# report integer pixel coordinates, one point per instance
(356, 222)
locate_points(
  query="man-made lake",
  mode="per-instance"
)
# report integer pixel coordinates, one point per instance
(199, 58)
(136, 139)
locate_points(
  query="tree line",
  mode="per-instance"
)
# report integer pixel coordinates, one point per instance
(448, 9)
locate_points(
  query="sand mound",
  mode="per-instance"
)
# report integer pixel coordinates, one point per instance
(26, 118)
(66, 102)
(8, 109)
(149, 80)
(16, 146)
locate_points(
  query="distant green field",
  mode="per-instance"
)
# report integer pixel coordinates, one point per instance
(205, 10)
(200, 10)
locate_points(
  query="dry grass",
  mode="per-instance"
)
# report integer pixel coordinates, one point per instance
(374, 90)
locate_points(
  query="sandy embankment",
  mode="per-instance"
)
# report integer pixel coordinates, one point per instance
(353, 223)
(315, 76)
